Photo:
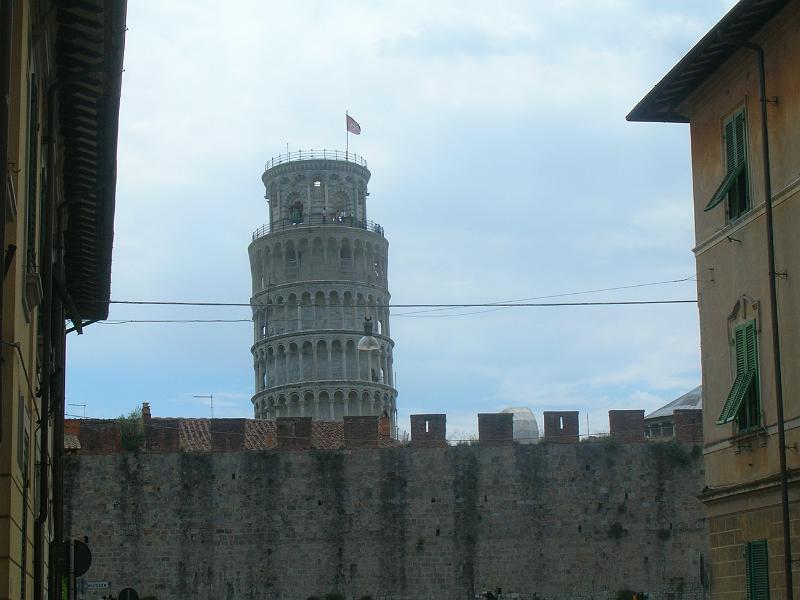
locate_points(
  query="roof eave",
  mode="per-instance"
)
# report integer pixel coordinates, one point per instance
(662, 104)
(90, 145)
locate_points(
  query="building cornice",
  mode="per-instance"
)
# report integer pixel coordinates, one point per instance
(765, 484)
(315, 333)
(306, 283)
(735, 440)
(335, 384)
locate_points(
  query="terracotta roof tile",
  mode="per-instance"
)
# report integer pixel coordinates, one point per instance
(259, 435)
(195, 435)
(327, 435)
(71, 442)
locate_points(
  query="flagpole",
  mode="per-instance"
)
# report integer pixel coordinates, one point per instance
(347, 134)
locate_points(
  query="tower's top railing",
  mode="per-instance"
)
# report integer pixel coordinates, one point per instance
(314, 155)
(316, 221)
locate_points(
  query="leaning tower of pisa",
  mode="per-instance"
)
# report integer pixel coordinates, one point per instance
(319, 270)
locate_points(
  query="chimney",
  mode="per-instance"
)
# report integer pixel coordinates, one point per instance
(146, 413)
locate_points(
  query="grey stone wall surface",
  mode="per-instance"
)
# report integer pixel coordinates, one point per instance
(546, 521)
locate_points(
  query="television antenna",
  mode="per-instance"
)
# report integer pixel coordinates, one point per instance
(211, 398)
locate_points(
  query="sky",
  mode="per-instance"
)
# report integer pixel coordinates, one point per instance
(502, 168)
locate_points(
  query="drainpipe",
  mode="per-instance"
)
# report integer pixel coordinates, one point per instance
(6, 20)
(773, 308)
(57, 566)
(46, 326)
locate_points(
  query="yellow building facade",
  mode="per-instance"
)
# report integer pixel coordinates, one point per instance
(60, 76)
(752, 495)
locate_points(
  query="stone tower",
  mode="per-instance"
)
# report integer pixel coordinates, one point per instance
(319, 269)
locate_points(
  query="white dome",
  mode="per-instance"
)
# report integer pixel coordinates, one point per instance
(526, 429)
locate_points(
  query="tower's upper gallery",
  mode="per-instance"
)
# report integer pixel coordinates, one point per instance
(322, 187)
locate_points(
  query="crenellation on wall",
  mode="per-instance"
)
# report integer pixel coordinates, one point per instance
(429, 431)
(688, 425)
(162, 436)
(361, 432)
(627, 426)
(496, 429)
(227, 435)
(561, 426)
(294, 433)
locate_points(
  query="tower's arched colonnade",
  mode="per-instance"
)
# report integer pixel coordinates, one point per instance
(318, 269)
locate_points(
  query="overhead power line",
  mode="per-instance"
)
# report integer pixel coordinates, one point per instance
(565, 294)
(442, 305)
(492, 307)
(126, 321)
(424, 308)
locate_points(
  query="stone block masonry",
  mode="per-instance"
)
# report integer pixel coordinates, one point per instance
(544, 521)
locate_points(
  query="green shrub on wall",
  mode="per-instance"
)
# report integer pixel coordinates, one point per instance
(675, 453)
(131, 430)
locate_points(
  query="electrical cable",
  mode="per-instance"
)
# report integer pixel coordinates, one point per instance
(494, 307)
(433, 306)
(565, 294)
(127, 321)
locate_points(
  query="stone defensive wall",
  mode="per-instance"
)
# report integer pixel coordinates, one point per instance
(213, 513)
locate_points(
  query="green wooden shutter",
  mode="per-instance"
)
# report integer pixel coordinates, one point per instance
(757, 565)
(740, 345)
(738, 132)
(736, 396)
(735, 157)
(750, 347)
(724, 187)
(730, 147)
(746, 349)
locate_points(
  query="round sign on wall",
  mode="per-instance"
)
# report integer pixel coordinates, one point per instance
(81, 557)
(128, 594)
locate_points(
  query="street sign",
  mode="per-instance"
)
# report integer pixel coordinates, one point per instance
(128, 594)
(77, 554)
(96, 585)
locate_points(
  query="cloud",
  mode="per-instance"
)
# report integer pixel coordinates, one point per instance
(502, 168)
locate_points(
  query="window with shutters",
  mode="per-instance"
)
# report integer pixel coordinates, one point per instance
(743, 404)
(757, 566)
(734, 189)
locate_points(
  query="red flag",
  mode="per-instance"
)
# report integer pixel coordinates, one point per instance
(352, 126)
